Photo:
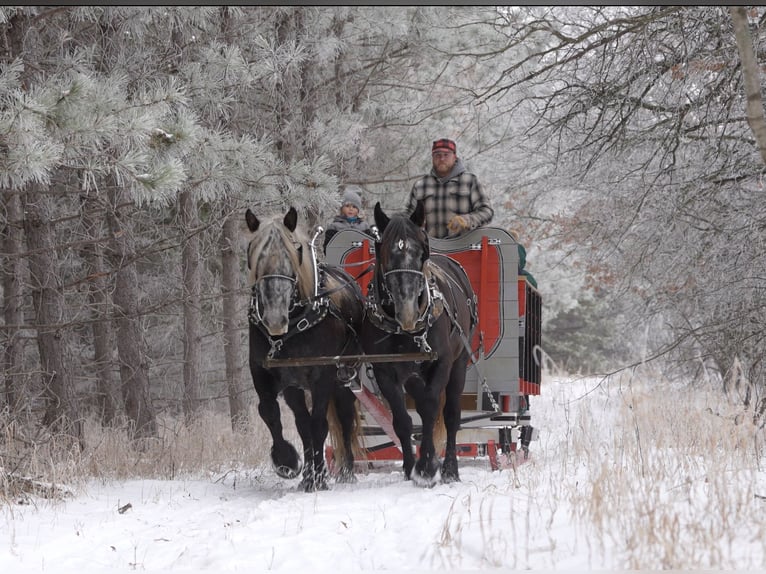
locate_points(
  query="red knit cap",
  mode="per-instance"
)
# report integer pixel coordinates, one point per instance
(444, 143)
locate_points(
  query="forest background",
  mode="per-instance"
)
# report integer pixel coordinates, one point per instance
(624, 144)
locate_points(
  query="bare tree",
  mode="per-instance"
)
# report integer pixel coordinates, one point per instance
(641, 111)
(61, 413)
(108, 401)
(751, 76)
(192, 287)
(13, 278)
(231, 279)
(130, 343)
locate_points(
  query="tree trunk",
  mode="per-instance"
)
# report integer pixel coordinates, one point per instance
(130, 346)
(192, 286)
(48, 300)
(751, 77)
(100, 308)
(232, 340)
(12, 266)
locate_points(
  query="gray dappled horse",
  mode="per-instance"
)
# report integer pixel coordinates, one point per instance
(301, 309)
(419, 302)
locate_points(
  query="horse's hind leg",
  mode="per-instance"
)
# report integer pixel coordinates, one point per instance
(345, 410)
(313, 478)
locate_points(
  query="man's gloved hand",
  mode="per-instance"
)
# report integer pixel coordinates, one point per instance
(458, 224)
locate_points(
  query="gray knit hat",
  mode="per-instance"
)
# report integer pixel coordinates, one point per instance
(352, 196)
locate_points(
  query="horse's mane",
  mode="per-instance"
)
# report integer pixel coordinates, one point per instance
(272, 240)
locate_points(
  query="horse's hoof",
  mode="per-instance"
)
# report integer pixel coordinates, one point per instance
(449, 472)
(308, 485)
(287, 472)
(286, 461)
(448, 478)
(424, 480)
(345, 477)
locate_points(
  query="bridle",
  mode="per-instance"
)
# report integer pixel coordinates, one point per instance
(302, 313)
(381, 297)
(430, 291)
(255, 306)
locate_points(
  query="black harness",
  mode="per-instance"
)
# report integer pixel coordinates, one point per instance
(379, 300)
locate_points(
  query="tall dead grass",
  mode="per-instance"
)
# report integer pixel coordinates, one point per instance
(634, 472)
(208, 446)
(670, 481)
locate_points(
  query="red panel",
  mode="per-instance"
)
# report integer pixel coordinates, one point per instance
(527, 388)
(357, 261)
(388, 453)
(522, 284)
(468, 449)
(483, 269)
(393, 453)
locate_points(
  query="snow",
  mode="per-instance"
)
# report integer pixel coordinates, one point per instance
(554, 512)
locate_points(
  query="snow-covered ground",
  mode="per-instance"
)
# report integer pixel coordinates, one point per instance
(619, 478)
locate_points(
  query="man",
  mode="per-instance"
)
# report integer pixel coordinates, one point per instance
(454, 198)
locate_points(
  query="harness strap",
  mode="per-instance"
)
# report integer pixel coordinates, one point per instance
(309, 316)
(465, 340)
(312, 311)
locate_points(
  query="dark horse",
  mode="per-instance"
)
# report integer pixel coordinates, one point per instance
(300, 309)
(420, 302)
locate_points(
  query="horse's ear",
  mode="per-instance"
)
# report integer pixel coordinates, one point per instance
(418, 216)
(381, 219)
(291, 219)
(252, 220)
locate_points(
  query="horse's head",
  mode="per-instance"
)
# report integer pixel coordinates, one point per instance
(280, 271)
(402, 257)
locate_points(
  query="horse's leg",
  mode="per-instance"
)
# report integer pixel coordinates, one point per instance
(345, 408)
(296, 400)
(392, 391)
(451, 411)
(284, 457)
(320, 401)
(427, 404)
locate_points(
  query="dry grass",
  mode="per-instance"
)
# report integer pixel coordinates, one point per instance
(37, 463)
(637, 472)
(643, 473)
(668, 483)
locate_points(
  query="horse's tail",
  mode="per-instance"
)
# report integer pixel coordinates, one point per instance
(336, 433)
(440, 429)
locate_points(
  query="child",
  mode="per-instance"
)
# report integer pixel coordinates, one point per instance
(349, 215)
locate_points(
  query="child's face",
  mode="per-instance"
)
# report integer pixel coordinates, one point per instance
(349, 210)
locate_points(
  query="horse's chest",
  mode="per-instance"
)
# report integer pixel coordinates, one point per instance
(327, 338)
